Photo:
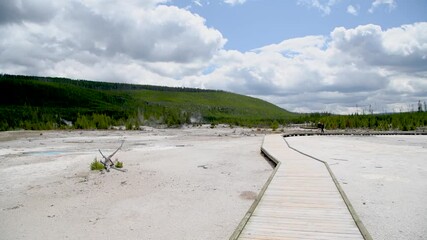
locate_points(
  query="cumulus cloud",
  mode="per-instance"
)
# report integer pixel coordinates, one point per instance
(91, 32)
(400, 48)
(148, 42)
(161, 33)
(362, 66)
(13, 11)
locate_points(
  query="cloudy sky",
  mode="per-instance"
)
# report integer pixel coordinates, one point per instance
(304, 55)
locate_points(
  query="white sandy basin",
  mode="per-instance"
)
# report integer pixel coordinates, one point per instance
(180, 184)
(384, 177)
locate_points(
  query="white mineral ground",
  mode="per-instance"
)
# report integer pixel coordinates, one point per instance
(181, 184)
(192, 183)
(384, 177)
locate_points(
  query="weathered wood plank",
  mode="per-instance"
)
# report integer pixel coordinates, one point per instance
(301, 201)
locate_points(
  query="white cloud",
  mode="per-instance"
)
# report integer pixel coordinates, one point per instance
(198, 3)
(364, 66)
(91, 32)
(391, 4)
(353, 10)
(295, 46)
(322, 5)
(403, 47)
(147, 42)
(12, 11)
(234, 2)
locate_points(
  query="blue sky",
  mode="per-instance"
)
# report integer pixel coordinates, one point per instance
(340, 56)
(257, 23)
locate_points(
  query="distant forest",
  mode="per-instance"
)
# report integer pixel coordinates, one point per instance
(28, 102)
(43, 103)
(406, 121)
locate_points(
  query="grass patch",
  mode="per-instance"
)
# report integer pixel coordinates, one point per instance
(119, 164)
(96, 165)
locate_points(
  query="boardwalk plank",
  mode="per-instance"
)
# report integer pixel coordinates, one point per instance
(301, 201)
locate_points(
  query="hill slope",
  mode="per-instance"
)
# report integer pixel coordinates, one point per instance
(43, 103)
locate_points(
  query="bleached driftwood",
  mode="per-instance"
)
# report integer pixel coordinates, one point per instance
(108, 163)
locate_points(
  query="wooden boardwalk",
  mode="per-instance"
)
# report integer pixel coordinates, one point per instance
(301, 201)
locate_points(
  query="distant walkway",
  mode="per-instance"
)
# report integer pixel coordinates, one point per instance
(300, 201)
(349, 133)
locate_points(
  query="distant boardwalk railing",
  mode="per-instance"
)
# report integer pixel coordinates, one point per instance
(355, 133)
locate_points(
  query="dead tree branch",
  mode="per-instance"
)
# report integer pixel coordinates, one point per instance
(107, 162)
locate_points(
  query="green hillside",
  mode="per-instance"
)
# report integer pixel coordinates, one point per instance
(47, 103)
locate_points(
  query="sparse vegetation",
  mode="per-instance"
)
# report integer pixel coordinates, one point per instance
(119, 164)
(96, 165)
(274, 125)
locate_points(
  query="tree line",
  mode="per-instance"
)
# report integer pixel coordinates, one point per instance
(102, 85)
(406, 121)
(38, 103)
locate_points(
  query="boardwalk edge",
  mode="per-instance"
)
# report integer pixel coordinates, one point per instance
(365, 233)
(249, 213)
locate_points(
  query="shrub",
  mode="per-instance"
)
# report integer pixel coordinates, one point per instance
(96, 165)
(84, 122)
(274, 125)
(119, 164)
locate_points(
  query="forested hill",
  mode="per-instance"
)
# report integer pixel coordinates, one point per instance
(28, 102)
